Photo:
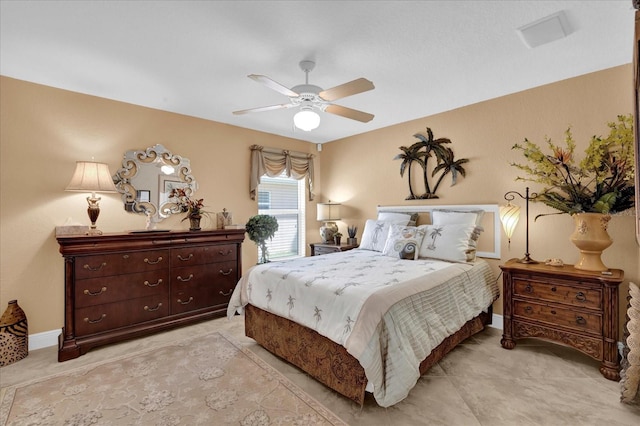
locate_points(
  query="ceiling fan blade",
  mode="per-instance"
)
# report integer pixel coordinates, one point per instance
(351, 88)
(265, 108)
(273, 84)
(353, 114)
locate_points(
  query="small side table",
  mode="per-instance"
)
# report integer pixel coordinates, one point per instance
(565, 305)
(323, 248)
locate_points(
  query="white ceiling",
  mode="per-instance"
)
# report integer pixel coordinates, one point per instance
(192, 57)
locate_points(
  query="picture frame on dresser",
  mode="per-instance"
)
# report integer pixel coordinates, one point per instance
(125, 285)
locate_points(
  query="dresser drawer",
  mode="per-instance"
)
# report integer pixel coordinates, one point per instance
(203, 254)
(117, 263)
(98, 291)
(556, 292)
(203, 285)
(95, 319)
(325, 250)
(555, 315)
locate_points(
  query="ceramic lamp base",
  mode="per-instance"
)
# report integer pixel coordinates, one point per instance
(327, 231)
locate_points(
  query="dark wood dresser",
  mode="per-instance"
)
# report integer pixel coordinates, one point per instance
(119, 286)
(565, 305)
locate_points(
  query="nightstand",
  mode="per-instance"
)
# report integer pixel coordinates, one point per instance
(323, 248)
(565, 305)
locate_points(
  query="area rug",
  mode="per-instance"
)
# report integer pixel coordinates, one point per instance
(206, 380)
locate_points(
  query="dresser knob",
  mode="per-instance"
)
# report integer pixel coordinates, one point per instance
(156, 284)
(580, 320)
(97, 268)
(87, 320)
(97, 293)
(148, 309)
(528, 309)
(528, 288)
(581, 296)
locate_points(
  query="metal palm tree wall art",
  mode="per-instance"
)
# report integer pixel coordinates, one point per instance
(420, 152)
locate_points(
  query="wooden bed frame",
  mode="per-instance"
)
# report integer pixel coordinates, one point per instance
(328, 362)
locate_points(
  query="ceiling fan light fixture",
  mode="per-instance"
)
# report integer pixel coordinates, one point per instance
(306, 119)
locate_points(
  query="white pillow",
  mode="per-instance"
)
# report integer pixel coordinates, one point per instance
(403, 242)
(375, 235)
(448, 217)
(399, 217)
(453, 242)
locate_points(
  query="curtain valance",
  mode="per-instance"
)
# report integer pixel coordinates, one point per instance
(272, 162)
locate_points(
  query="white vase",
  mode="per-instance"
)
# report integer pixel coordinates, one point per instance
(591, 238)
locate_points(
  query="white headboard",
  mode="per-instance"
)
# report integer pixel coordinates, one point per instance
(492, 213)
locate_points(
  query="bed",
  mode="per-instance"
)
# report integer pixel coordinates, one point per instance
(377, 317)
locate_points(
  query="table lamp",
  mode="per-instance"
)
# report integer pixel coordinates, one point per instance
(92, 177)
(328, 213)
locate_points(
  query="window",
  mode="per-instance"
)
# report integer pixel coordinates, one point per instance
(283, 198)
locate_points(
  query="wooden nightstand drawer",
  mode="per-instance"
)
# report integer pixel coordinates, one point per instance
(318, 249)
(555, 315)
(557, 292)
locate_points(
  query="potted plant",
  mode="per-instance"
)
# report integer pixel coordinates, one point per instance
(336, 238)
(601, 184)
(261, 228)
(193, 207)
(351, 231)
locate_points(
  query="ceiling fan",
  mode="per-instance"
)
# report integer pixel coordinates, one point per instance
(309, 98)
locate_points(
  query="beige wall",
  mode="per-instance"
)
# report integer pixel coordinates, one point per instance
(360, 172)
(45, 130)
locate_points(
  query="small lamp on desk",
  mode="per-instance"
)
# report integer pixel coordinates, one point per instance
(92, 177)
(328, 213)
(509, 216)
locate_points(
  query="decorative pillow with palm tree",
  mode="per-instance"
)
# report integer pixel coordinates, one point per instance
(404, 241)
(452, 242)
(375, 235)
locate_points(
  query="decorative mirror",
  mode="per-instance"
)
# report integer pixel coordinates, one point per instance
(147, 178)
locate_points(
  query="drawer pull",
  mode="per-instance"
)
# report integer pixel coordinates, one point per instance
(146, 308)
(528, 288)
(97, 268)
(581, 296)
(554, 289)
(148, 284)
(227, 293)
(185, 303)
(553, 312)
(153, 262)
(97, 293)
(125, 256)
(226, 273)
(87, 320)
(580, 320)
(185, 279)
(186, 258)
(225, 253)
(528, 309)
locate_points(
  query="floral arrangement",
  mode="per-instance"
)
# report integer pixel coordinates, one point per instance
(603, 181)
(192, 206)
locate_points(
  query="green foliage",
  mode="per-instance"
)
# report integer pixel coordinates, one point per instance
(601, 183)
(261, 227)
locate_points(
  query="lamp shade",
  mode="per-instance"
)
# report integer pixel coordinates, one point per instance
(328, 212)
(509, 216)
(306, 120)
(91, 176)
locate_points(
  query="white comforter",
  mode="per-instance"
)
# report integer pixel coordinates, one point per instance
(355, 297)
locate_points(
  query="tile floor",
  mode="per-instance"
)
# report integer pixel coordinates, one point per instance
(478, 383)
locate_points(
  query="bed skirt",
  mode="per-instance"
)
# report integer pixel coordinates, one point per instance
(325, 360)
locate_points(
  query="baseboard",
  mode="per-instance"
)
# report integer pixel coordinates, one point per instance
(496, 321)
(44, 339)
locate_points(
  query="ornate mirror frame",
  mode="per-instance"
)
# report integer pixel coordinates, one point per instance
(147, 177)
